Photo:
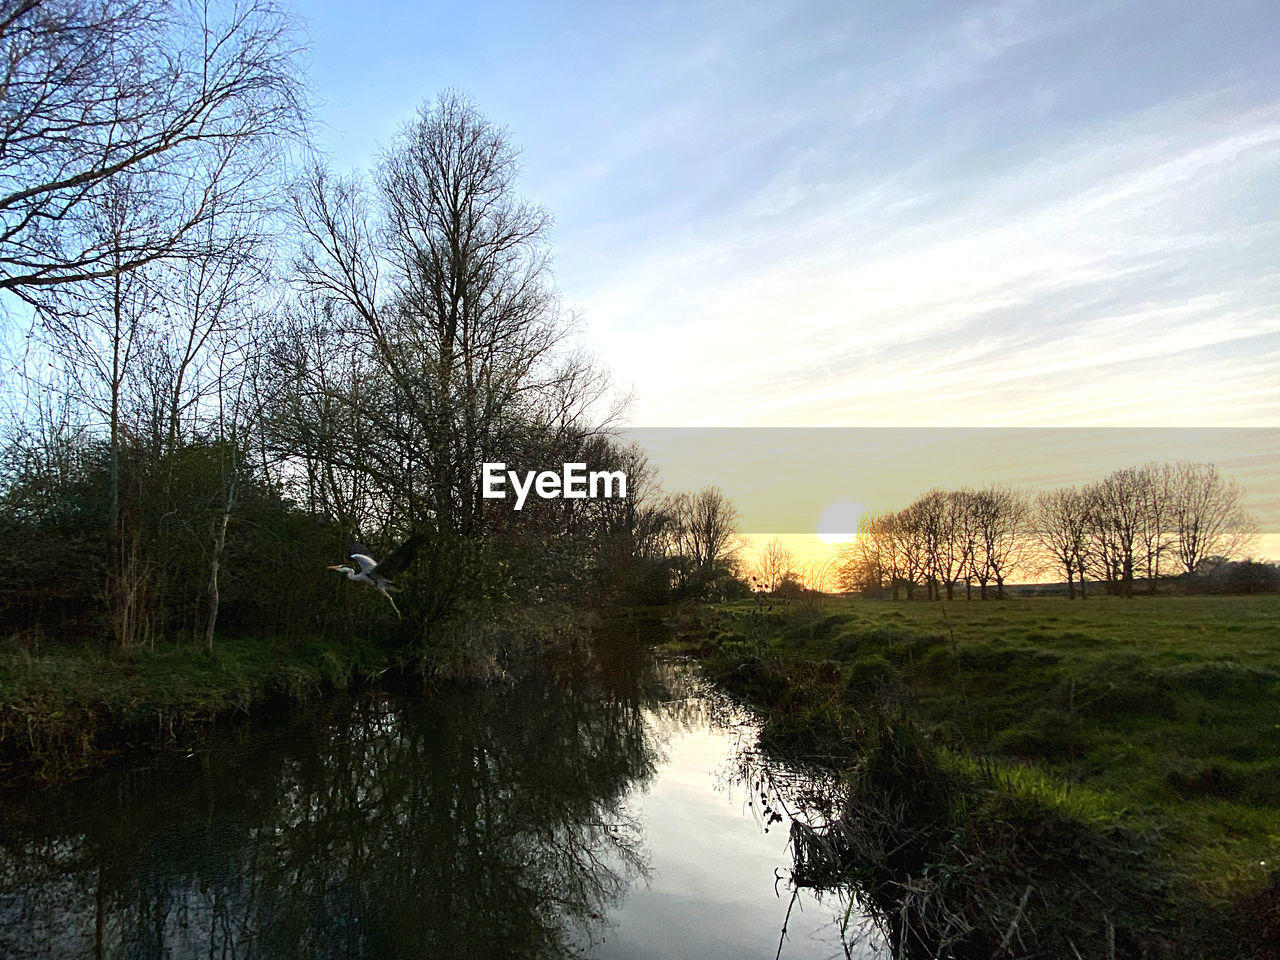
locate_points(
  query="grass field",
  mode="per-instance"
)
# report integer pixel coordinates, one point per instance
(1160, 714)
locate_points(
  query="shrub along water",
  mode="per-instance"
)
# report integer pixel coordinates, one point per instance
(66, 710)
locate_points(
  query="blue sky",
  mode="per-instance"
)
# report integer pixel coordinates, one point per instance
(876, 213)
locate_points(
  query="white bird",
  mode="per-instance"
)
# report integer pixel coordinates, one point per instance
(379, 574)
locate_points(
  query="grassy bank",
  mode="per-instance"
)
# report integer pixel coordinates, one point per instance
(1139, 734)
(68, 710)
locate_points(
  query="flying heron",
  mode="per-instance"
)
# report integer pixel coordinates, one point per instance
(379, 574)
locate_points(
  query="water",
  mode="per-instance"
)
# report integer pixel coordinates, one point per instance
(598, 810)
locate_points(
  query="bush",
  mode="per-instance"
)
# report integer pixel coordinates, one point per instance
(1252, 577)
(869, 673)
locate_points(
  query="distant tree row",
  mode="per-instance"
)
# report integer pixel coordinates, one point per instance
(1139, 522)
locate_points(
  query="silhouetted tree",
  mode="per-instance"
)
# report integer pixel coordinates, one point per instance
(1207, 514)
(178, 108)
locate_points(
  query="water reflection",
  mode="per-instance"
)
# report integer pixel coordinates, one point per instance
(519, 822)
(476, 825)
(808, 802)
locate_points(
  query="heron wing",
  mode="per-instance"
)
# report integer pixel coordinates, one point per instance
(400, 558)
(360, 554)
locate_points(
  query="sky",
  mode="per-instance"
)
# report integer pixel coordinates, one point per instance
(865, 213)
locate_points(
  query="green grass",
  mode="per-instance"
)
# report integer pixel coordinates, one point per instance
(1159, 714)
(66, 710)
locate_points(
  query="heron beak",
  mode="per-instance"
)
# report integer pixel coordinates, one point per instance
(331, 567)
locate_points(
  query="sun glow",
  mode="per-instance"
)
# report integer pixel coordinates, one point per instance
(839, 522)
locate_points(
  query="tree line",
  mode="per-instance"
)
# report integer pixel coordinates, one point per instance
(1143, 522)
(227, 361)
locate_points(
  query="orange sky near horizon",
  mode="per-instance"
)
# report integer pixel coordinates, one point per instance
(808, 485)
(816, 558)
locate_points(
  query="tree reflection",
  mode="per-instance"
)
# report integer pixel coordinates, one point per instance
(482, 824)
(811, 803)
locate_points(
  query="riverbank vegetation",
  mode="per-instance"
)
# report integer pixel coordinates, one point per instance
(225, 364)
(68, 710)
(1037, 773)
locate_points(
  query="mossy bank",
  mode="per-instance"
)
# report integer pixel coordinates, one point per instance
(65, 710)
(68, 710)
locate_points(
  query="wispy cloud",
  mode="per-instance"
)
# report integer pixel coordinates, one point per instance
(1102, 278)
(825, 212)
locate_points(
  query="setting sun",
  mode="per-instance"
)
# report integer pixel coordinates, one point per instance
(839, 522)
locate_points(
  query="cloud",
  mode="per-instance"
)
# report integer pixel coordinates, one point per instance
(833, 212)
(1127, 262)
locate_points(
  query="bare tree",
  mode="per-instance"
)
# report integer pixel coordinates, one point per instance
(445, 281)
(968, 537)
(205, 309)
(707, 523)
(182, 105)
(941, 526)
(870, 563)
(1002, 513)
(1118, 508)
(330, 420)
(1208, 514)
(911, 546)
(236, 416)
(775, 564)
(1060, 521)
(1154, 533)
(146, 348)
(637, 527)
(96, 341)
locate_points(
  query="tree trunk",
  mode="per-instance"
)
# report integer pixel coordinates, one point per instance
(219, 544)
